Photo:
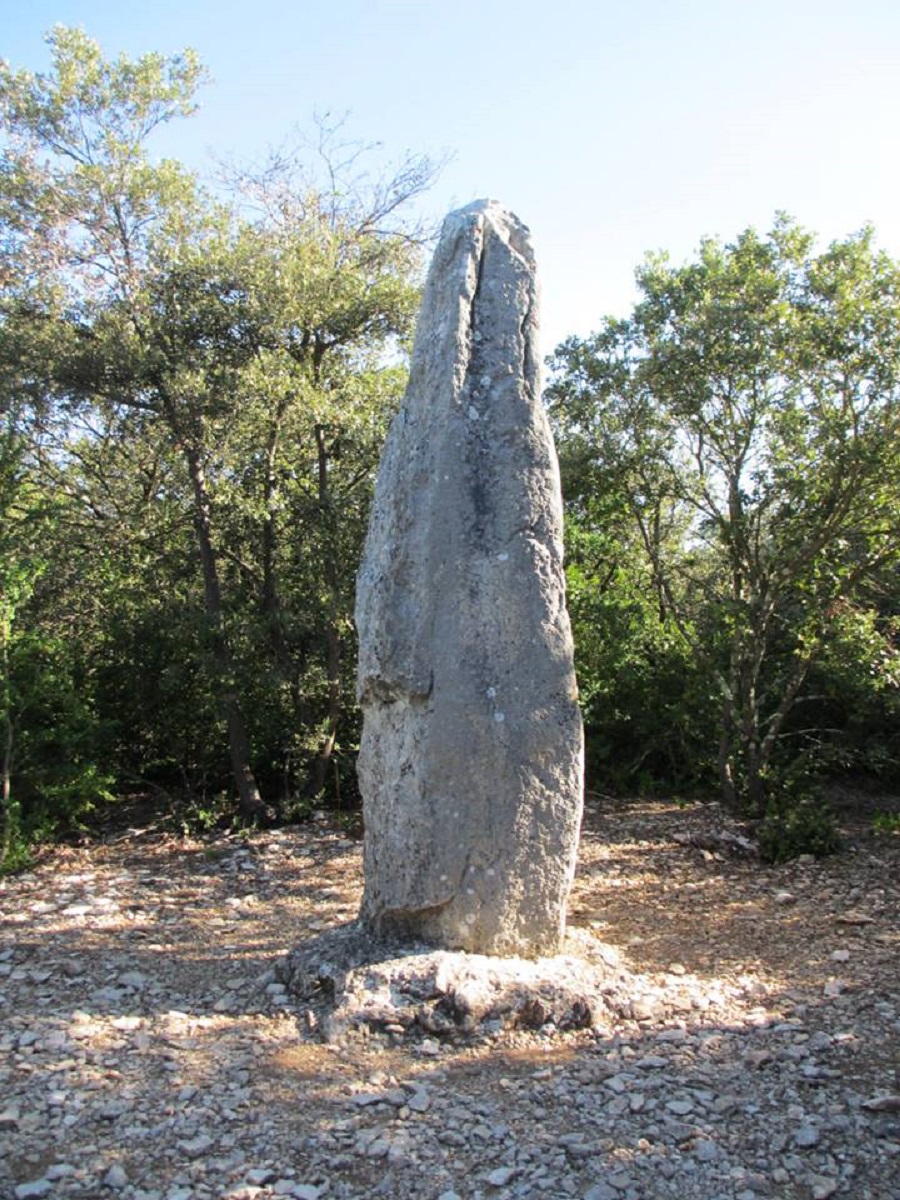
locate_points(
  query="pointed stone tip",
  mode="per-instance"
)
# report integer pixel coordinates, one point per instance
(493, 210)
(510, 228)
(479, 206)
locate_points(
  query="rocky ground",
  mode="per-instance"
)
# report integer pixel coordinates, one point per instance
(148, 1050)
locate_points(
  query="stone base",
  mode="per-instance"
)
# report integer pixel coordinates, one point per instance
(351, 983)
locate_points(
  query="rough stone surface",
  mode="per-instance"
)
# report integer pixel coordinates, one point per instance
(358, 984)
(471, 755)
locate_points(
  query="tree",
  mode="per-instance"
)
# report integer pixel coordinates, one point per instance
(18, 570)
(748, 413)
(342, 293)
(87, 201)
(38, 691)
(247, 351)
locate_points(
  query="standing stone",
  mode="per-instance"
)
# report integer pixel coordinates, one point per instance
(471, 758)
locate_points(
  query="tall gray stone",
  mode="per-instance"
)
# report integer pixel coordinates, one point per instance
(471, 756)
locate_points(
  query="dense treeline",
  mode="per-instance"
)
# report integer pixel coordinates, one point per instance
(194, 388)
(731, 455)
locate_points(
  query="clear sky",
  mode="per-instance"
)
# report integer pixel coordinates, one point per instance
(611, 127)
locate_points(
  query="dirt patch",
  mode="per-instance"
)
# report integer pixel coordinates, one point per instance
(149, 1049)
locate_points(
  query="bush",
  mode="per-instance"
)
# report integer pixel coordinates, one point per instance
(804, 827)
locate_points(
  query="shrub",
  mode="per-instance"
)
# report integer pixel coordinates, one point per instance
(803, 827)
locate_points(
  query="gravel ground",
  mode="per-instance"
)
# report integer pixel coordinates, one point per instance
(149, 1052)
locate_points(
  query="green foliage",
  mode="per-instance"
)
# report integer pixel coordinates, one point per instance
(204, 386)
(58, 774)
(194, 393)
(850, 718)
(18, 852)
(78, 193)
(886, 822)
(795, 827)
(21, 564)
(743, 427)
(199, 815)
(645, 710)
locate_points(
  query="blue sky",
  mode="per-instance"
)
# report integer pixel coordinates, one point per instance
(611, 128)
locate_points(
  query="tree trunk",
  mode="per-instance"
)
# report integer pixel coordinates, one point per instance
(6, 811)
(749, 738)
(756, 786)
(726, 772)
(332, 631)
(251, 802)
(271, 599)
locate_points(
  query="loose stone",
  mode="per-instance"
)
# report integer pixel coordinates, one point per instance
(501, 1176)
(806, 1137)
(116, 1177)
(36, 1187)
